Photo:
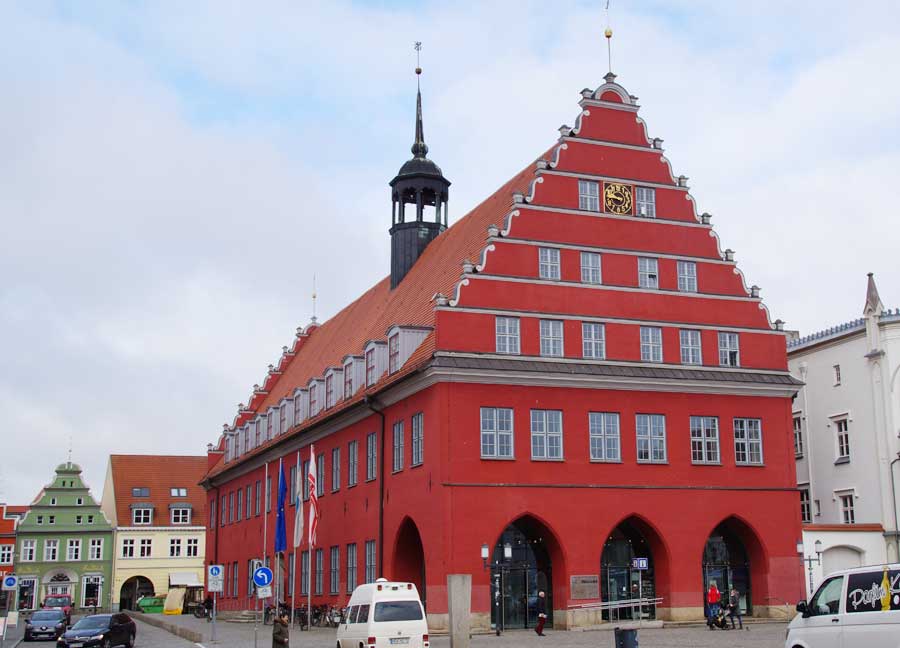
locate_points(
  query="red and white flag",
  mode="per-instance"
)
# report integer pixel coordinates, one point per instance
(313, 497)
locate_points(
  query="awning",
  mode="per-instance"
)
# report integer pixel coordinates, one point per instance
(184, 579)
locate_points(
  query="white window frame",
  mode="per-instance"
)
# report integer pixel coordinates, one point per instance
(145, 548)
(398, 446)
(593, 340)
(589, 195)
(591, 268)
(691, 346)
(548, 263)
(28, 551)
(139, 520)
(192, 548)
(371, 457)
(174, 547)
(729, 349)
(604, 437)
(705, 447)
(748, 442)
(184, 512)
(127, 548)
(336, 469)
(648, 273)
(51, 550)
(6, 554)
(848, 507)
(370, 561)
(334, 569)
(497, 433)
(506, 331)
(842, 437)
(394, 353)
(73, 550)
(645, 202)
(547, 435)
(650, 433)
(687, 276)
(552, 345)
(797, 424)
(371, 367)
(651, 344)
(352, 463)
(805, 506)
(95, 549)
(836, 370)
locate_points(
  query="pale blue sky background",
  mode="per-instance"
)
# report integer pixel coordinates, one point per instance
(173, 173)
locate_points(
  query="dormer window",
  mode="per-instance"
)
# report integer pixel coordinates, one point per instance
(181, 515)
(348, 381)
(370, 367)
(273, 424)
(261, 432)
(394, 353)
(283, 415)
(329, 391)
(313, 402)
(141, 516)
(298, 409)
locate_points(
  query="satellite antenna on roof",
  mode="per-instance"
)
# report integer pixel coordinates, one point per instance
(608, 33)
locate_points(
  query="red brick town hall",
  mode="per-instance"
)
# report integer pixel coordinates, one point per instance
(572, 376)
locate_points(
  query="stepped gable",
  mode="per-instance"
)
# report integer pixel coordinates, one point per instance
(609, 145)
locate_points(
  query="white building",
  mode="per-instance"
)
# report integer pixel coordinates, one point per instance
(847, 438)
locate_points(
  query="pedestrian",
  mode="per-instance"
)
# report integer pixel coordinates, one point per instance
(734, 608)
(713, 599)
(208, 606)
(542, 613)
(280, 633)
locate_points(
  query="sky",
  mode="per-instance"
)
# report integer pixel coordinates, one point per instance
(173, 174)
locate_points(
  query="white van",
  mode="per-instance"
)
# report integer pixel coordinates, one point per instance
(854, 607)
(384, 614)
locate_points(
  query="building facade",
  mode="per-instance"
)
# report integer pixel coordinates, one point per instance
(64, 544)
(158, 511)
(846, 422)
(571, 377)
(9, 519)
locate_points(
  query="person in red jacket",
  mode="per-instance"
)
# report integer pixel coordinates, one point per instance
(713, 600)
(542, 614)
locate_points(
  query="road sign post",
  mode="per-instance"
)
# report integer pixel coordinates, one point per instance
(215, 583)
(10, 584)
(262, 579)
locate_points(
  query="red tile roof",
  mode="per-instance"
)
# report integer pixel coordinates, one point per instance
(410, 304)
(159, 473)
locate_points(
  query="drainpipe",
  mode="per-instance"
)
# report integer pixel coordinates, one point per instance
(372, 404)
(216, 531)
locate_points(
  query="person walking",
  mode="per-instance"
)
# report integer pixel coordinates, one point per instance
(280, 632)
(542, 613)
(208, 606)
(734, 607)
(713, 604)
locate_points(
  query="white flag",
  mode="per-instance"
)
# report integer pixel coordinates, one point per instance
(298, 518)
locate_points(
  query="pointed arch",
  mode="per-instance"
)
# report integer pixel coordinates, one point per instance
(733, 554)
(408, 563)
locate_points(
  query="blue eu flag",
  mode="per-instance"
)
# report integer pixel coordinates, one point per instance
(280, 525)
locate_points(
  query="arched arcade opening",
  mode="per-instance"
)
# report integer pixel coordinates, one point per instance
(132, 591)
(409, 558)
(634, 570)
(522, 564)
(734, 557)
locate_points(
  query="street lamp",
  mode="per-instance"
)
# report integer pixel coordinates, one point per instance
(810, 560)
(499, 577)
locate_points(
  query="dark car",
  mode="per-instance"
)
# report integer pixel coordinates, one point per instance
(104, 630)
(45, 624)
(59, 602)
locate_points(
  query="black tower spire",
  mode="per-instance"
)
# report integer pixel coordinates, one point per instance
(419, 182)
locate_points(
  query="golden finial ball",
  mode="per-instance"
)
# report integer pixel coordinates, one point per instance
(608, 33)
(418, 70)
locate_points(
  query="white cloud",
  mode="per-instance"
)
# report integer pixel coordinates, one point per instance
(175, 173)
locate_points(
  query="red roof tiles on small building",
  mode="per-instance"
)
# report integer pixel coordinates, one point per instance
(159, 473)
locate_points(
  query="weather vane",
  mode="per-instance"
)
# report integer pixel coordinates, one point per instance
(314, 298)
(418, 47)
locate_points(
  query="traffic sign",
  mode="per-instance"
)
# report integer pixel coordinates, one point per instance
(262, 577)
(10, 583)
(215, 578)
(640, 563)
(264, 592)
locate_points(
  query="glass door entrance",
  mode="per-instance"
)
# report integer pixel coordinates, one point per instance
(519, 587)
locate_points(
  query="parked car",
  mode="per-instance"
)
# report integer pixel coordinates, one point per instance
(853, 607)
(384, 614)
(59, 602)
(102, 630)
(45, 624)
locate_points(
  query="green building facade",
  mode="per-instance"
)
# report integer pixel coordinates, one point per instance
(64, 545)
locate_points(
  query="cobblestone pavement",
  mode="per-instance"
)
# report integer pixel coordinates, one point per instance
(240, 635)
(150, 637)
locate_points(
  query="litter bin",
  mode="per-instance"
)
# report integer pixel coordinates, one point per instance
(627, 638)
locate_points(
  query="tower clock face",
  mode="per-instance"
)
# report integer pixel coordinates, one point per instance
(617, 198)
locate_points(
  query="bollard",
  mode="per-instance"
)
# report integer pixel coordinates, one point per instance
(627, 638)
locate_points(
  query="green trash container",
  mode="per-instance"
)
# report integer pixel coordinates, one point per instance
(627, 638)
(151, 604)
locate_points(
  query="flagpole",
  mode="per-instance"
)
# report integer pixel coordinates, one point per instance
(279, 585)
(298, 510)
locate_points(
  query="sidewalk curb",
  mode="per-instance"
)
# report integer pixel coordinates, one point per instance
(171, 628)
